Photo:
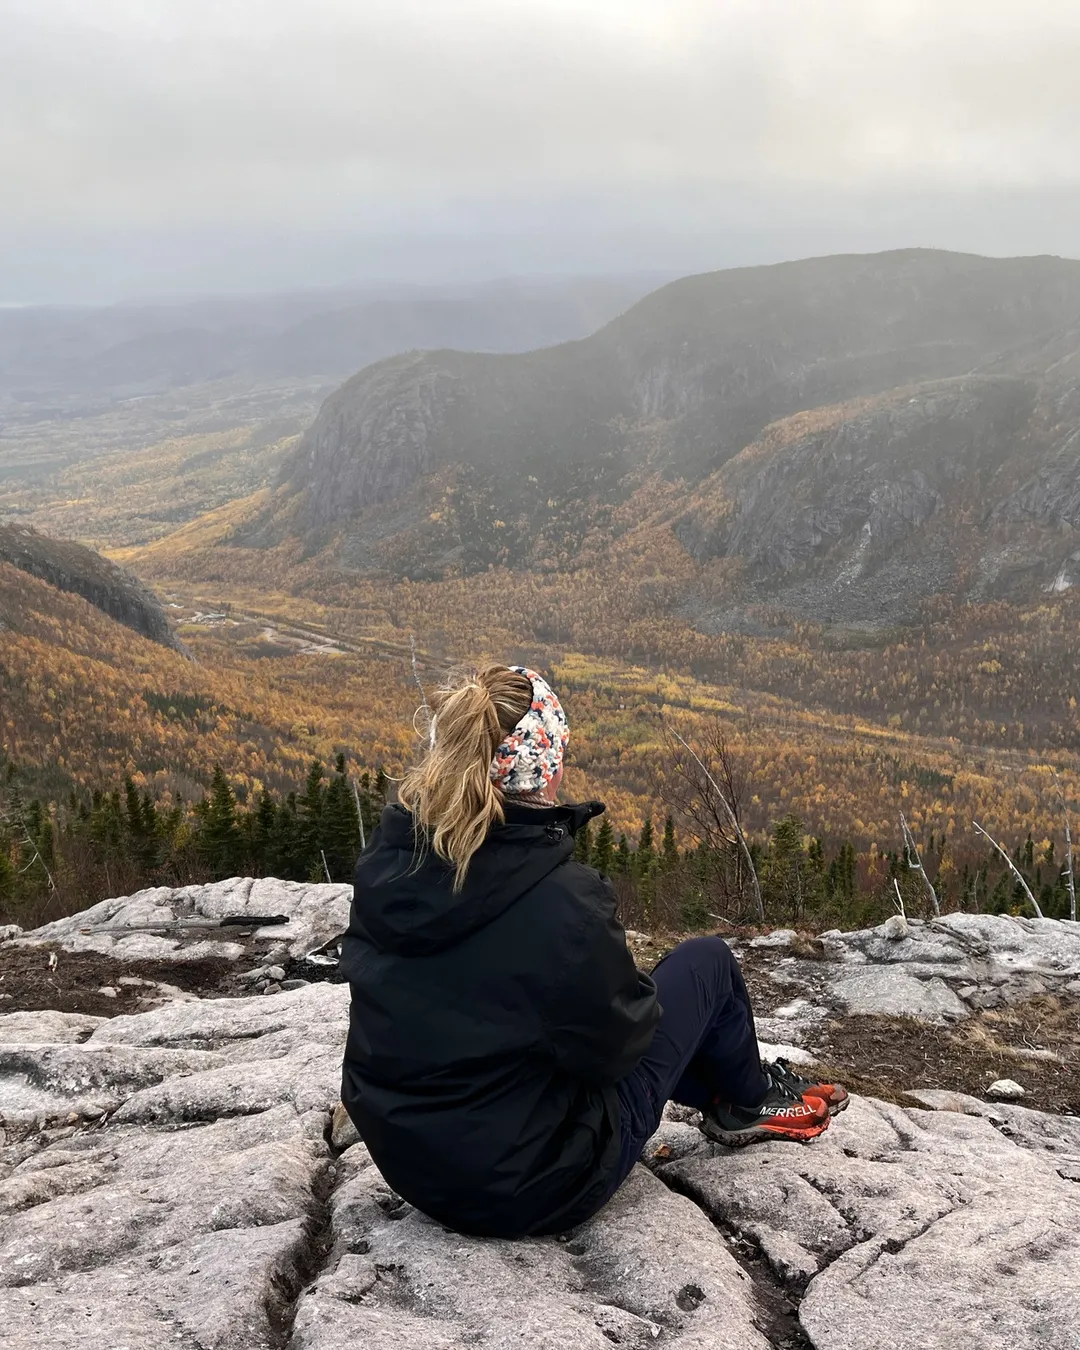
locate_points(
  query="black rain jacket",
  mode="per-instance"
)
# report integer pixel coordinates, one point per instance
(488, 1028)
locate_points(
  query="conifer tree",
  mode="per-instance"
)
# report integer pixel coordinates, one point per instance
(133, 816)
(340, 825)
(220, 838)
(46, 845)
(644, 856)
(7, 872)
(264, 837)
(582, 845)
(792, 878)
(669, 849)
(310, 809)
(288, 862)
(603, 853)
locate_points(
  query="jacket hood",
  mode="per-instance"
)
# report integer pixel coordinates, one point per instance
(403, 896)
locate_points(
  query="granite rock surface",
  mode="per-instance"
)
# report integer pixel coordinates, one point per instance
(178, 1177)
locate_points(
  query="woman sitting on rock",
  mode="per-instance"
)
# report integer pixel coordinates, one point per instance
(506, 1062)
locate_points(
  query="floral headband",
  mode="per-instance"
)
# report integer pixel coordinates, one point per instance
(530, 755)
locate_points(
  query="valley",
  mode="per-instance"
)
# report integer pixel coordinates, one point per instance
(832, 504)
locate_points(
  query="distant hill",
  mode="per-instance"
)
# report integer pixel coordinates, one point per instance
(71, 567)
(86, 700)
(853, 432)
(138, 349)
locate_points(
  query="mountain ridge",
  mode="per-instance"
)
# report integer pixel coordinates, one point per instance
(441, 462)
(79, 570)
(48, 352)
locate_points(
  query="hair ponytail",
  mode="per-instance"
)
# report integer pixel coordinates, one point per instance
(450, 792)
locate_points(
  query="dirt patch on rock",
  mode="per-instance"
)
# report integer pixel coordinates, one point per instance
(29, 984)
(1036, 1044)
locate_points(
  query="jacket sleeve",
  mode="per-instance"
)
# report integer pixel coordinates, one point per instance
(603, 1010)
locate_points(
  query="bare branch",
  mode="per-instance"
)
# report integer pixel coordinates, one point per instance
(325, 868)
(1012, 868)
(732, 817)
(9, 819)
(359, 814)
(416, 673)
(899, 901)
(1068, 874)
(917, 865)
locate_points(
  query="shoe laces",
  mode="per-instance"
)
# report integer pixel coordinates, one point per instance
(785, 1079)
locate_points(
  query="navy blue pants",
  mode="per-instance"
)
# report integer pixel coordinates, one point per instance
(705, 1044)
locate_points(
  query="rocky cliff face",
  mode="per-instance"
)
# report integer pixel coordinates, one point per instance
(720, 355)
(825, 420)
(398, 422)
(850, 510)
(71, 567)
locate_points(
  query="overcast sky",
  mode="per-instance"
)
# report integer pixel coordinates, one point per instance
(180, 146)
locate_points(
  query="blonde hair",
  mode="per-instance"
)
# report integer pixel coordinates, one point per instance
(450, 792)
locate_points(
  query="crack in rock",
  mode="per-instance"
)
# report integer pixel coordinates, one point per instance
(956, 1229)
(649, 1266)
(777, 1296)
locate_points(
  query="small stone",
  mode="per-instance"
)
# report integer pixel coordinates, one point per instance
(1006, 1088)
(108, 991)
(73, 1118)
(294, 984)
(895, 927)
(251, 976)
(276, 972)
(274, 988)
(343, 1133)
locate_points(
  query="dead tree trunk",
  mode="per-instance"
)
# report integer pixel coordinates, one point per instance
(1012, 868)
(359, 815)
(917, 865)
(16, 819)
(1068, 874)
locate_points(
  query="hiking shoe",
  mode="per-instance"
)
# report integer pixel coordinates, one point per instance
(832, 1094)
(783, 1114)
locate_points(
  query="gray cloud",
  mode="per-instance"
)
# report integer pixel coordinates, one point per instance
(125, 124)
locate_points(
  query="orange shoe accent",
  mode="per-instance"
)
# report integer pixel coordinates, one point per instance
(782, 1115)
(833, 1095)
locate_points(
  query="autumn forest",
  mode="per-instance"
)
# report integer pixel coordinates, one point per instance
(852, 597)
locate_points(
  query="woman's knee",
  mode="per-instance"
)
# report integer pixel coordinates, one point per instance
(702, 952)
